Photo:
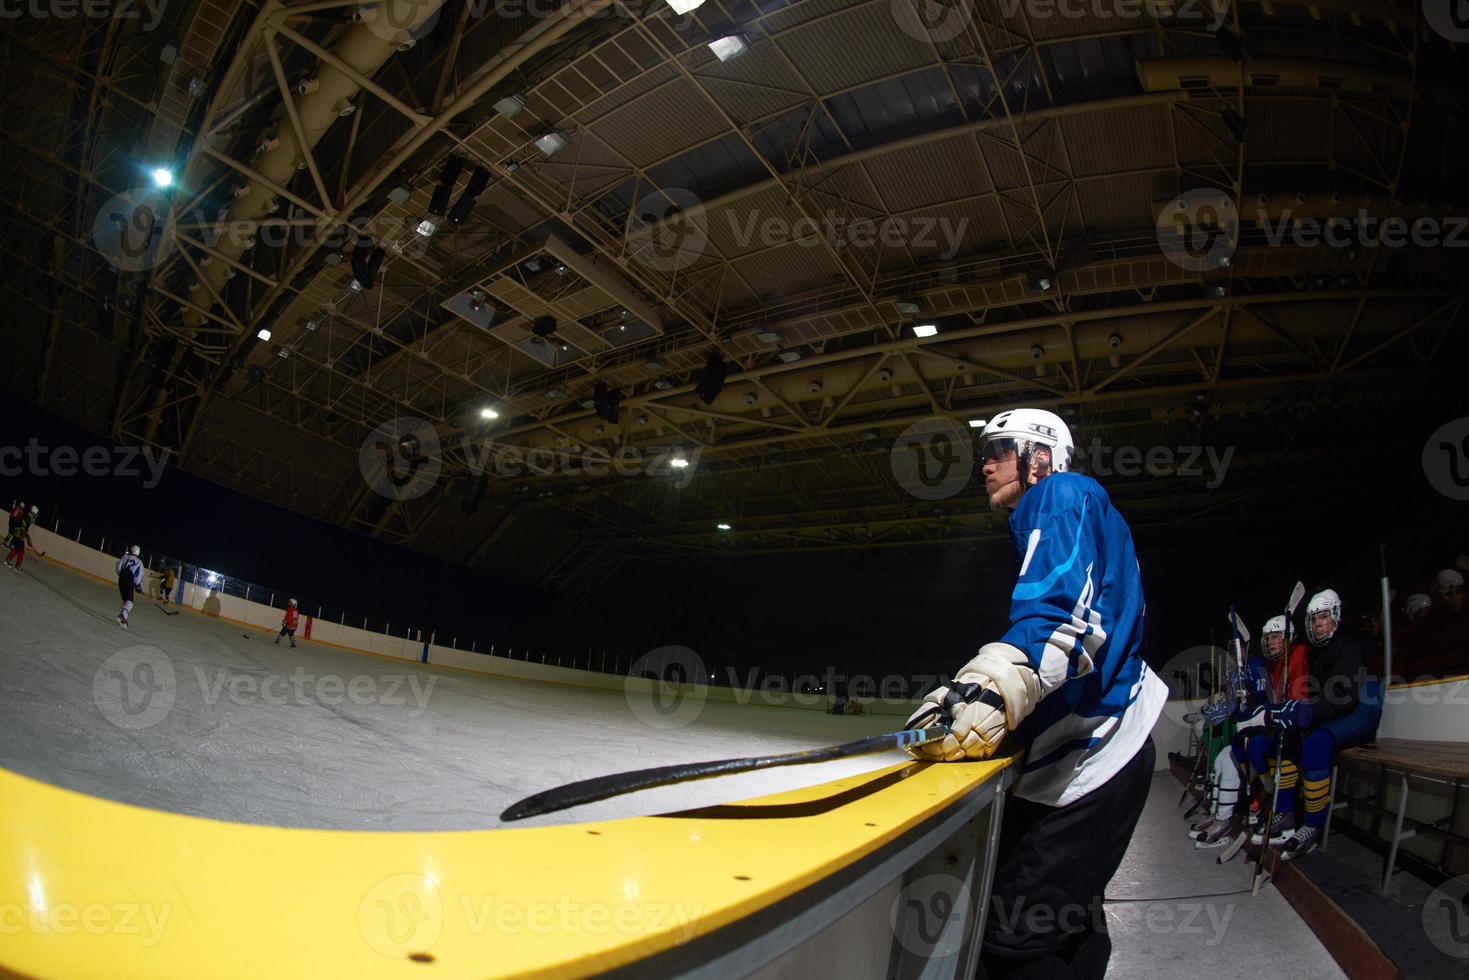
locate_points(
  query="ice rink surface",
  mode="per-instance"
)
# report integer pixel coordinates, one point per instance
(204, 717)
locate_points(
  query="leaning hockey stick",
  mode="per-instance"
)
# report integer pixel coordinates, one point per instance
(165, 611)
(1296, 595)
(603, 787)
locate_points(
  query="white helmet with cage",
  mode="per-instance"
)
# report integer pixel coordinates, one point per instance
(135, 551)
(1417, 605)
(1041, 440)
(1274, 626)
(1323, 602)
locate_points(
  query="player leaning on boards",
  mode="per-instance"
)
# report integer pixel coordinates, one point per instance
(1067, 683)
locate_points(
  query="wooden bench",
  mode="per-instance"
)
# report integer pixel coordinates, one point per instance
(1443, 762)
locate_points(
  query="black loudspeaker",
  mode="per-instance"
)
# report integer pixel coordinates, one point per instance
(607, 401)
(711, 379)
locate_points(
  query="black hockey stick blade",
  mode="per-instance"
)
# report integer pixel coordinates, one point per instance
(165, 611)
(616, 784)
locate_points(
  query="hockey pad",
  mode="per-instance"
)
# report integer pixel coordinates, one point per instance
(1007, 669)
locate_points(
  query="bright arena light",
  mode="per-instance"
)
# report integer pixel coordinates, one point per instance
(162, 177)
(684, 6)
(925, 330)
(487, 413)
(264, 333)
(729, 46)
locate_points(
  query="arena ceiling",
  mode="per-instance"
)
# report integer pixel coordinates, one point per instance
(1103, 208)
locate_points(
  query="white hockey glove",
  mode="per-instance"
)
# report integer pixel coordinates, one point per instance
(990, 695)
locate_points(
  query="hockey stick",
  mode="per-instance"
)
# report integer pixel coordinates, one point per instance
(1296, 595)
(165, 611)
(603, 787)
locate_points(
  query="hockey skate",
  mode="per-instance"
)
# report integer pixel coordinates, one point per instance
(1201, 830)
(1281, 828)
(1301, 843)
(1220, 836)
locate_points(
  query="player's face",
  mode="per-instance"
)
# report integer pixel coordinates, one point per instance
(1001, 479)
(1321, 623)
(1274, 644)
(1455, 599)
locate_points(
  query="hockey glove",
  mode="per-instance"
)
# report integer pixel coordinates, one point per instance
(990, 695)
(1291, 714)
(1255, 723)
(1216, 710)
(1287, 715)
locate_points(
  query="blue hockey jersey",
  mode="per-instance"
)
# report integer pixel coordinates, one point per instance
(1077, 612)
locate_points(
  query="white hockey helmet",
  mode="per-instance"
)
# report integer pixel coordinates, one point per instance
(292, 602)
(1273, 625)
(1028, 429)
(135, 551)
(36, 510)
(1417, 603)
(1324, 601)
(1446, 581)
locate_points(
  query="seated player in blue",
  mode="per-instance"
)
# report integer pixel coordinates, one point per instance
(1342, 709)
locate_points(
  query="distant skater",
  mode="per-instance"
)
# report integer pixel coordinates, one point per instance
(129, 582)
(21, 522)
(289, 623)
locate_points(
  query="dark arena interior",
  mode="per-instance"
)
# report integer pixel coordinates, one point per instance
(424, 418)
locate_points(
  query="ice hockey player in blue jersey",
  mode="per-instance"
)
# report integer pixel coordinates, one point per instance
(1067, 683)
(129, 582)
